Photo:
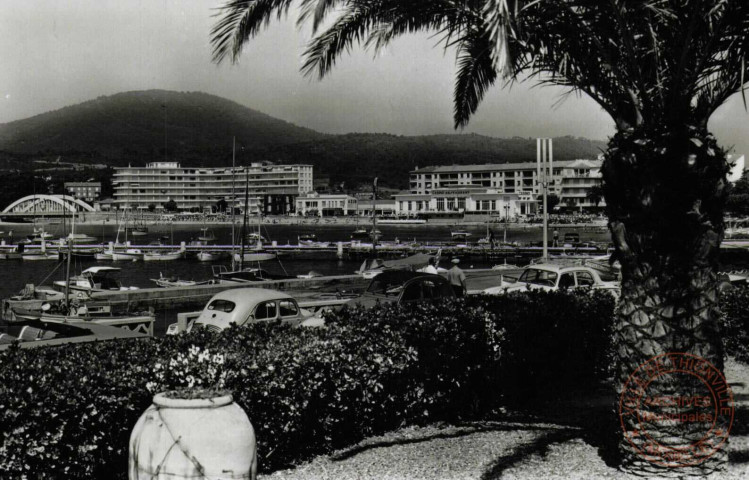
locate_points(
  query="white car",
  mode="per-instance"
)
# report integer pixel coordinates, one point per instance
(550, 277)
(249, 305)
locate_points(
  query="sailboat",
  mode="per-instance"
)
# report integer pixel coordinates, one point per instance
(207, 235)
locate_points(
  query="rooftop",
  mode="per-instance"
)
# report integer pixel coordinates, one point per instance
(495, 167)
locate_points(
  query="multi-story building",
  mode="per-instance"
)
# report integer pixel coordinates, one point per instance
(326, 205)
(496, 189)
(271, 189)
(88, 191)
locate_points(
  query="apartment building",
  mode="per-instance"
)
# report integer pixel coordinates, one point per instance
(270, 189)
(88, 191)
(496, 189)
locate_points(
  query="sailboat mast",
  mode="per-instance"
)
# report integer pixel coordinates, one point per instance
(244, 219)
(67, 268)
(233, 199)
(374, 218)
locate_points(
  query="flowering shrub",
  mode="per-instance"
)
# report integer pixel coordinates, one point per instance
(197, 368)
(68, 411)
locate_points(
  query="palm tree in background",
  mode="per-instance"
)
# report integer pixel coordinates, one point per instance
(659, 68)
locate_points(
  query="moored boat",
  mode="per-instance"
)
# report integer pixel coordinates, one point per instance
(129, 255)
(162, 256)
(93, 279)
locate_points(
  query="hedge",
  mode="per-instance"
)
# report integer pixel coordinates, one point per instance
(67, 412)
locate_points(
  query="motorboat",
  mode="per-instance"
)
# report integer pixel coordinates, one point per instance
(166, 282)
(211, 256)
(37, 333)
(307, 238)
(131, 254)
(460, 235)
(80, 238)
(94, 279)
(162, 256)
(254, 256)
(40, 255)
(255, 237)
(104, 255)
(138, 231)
(360, 234)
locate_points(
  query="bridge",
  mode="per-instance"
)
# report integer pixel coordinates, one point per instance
(49, 205)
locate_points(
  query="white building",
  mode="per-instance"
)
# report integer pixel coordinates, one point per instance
(496, 189)
(270, 188)
(326, 205)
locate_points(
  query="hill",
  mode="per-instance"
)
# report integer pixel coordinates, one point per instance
(128, 128)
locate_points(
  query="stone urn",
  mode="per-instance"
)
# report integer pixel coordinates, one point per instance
(193, 434)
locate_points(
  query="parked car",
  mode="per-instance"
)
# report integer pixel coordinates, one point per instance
(551, 277)
(247, 305)
(400, 286)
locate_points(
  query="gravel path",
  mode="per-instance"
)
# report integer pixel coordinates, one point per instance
(525, 448)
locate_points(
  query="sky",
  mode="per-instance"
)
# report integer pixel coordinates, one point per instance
(57, 53)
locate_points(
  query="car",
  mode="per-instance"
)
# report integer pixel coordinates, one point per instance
(247, 305)
(551, 277)
(401, 286)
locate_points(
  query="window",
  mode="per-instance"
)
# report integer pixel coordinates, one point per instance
(566, 281)
(265, 310)
(412, 293)
(461, 204)
(440, 204)
(221, 306)
(539, 277)
(288, 308)
(585, 279)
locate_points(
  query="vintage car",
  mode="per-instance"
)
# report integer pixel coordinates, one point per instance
(403, 287)
(247, 305)
(551, 277)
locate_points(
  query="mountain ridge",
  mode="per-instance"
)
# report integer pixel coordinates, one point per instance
(128, 128)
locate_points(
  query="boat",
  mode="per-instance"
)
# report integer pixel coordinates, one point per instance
(401, 221)
(307, 238)
(360, 234)
(207, 235)
(139, 231)
(88, 313)
(162, 256)
(94, 279)
(131, 254)
(40, 255)
(36, 333)
(211, 256)
(460, 235)
(255, 237)
(104, 255)
(223, 275)
(167, 282)
(259, 256)
(370, 268)
(81, 238)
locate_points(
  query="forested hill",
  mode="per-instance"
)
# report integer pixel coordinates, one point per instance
(128, 128)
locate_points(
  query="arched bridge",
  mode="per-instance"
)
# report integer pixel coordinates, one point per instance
(55, 204)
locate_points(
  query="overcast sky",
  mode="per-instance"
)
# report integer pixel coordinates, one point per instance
(55, 53)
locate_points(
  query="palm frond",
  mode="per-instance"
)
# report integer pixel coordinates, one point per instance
(241, 20)
(476, 74)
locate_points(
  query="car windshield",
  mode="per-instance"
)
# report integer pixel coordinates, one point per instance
(539, 277)
(221, 306)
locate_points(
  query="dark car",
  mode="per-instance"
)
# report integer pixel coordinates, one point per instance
(400, 286)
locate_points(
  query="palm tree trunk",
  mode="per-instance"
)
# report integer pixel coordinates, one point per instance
(664, 190)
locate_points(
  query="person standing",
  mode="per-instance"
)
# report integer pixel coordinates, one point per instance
(431, 268)
(457, 278)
